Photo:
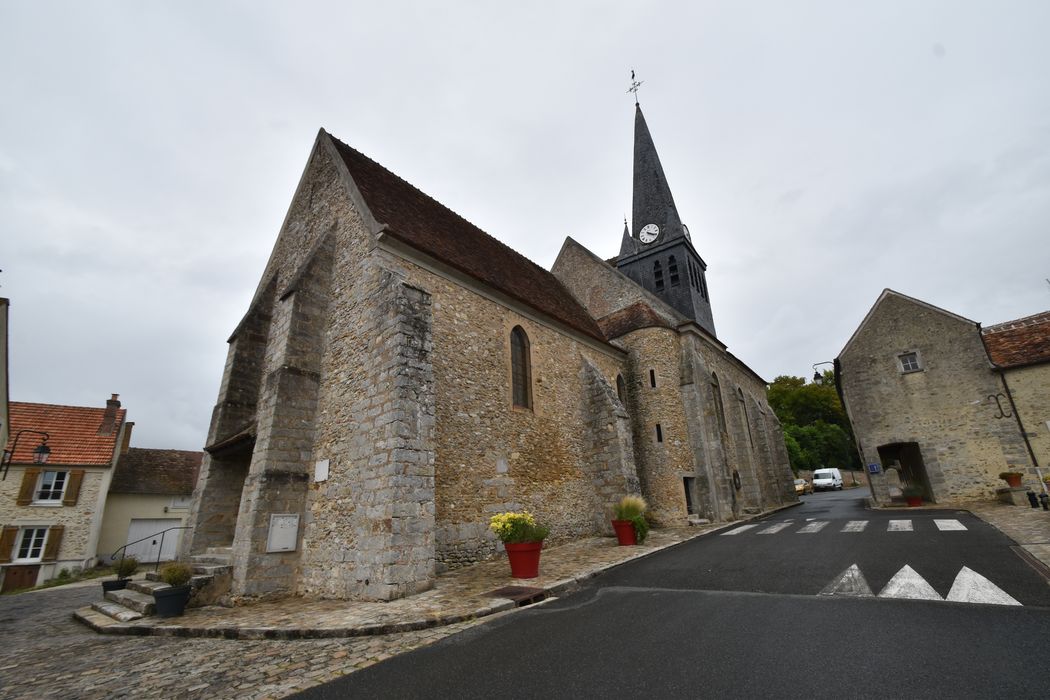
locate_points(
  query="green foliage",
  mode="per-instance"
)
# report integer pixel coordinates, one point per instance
(913, 490)
(630, 507)
(126, 567)
(64, 575)
(817, 432)
(176, 573)
(515, 528)
(641, 527)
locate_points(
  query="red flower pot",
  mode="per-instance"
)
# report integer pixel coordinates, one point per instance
(913, 501)
(524, 558)
(1013, 481)
(625, 533)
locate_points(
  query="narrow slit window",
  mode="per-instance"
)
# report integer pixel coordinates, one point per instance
(652, 378)
(659, 433)
(672, 270)
(621, 389)
(521, 369)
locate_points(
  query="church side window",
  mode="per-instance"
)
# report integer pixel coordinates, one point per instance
(520, 368)
(621, 389)
(743, 411)
(672, 270)
(658, 276)
(720, 411)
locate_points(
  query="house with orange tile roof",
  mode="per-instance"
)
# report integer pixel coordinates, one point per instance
(941, 404)
(59, 466)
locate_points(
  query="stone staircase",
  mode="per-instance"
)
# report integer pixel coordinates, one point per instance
(212, 572)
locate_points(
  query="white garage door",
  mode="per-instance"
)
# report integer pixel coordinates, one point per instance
(150, 549)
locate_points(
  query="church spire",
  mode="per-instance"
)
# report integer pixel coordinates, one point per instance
(628, 246)
(653, 203)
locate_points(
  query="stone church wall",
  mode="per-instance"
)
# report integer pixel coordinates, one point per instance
(564, 460)
(944, 408)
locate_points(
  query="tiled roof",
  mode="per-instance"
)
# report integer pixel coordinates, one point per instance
(427, 225)
(73, 430)
(163, 472)
(631, 318)
(1025, 341)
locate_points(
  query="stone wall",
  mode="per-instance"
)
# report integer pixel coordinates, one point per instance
(565, 459)
(1030, 387)
(945, 408)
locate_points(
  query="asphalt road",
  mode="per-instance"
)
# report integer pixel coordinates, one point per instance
(739, 615)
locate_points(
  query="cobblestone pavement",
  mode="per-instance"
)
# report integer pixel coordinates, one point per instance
(1028, 527)
(457, 596)
(44, 653)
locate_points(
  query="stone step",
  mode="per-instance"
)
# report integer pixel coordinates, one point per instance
(226, 551)
(146, 587)
(116, 611)
(94, 619)
(211, 569)
(197, 581)
(139, 602)
(215, 559)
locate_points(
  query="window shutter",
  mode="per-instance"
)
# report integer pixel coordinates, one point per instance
(25, 494)
(54, 541)
(76, 477)
(7, 543)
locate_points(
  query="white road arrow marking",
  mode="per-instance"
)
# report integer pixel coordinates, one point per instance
(971, 587)
(851, 583)
(907, 583)
(855, 526)
(815, 526)
(899, 526)
(740, 529)
(952, 524)
(774, 529)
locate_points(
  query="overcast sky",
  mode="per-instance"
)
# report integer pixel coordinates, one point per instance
(818, 151)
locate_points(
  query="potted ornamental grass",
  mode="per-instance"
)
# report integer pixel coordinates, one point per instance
(913, 494)
(125, 568)
(522, 537)
(629, 520)
(171, 601)
(1012, 478)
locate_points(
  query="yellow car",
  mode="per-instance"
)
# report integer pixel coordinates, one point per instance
(802, 487)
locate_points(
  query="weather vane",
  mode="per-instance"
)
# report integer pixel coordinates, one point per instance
(635, 84)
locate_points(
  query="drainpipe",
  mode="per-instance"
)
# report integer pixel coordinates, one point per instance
(1024, 434)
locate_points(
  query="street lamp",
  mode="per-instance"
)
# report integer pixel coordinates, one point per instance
(817, 377)
(40, 454)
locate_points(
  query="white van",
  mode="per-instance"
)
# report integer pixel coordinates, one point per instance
(824, 479)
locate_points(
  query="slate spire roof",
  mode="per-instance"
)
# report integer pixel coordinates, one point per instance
(653, 203)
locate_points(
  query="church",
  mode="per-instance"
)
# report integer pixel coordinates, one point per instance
(400, 376)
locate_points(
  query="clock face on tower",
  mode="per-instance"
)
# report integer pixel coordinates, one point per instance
(649, 233)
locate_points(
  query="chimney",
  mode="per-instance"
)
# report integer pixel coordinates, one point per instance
(109, 418)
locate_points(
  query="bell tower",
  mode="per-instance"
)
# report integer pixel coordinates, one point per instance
(656, 250)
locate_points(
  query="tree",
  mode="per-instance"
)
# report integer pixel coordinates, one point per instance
(817, 432)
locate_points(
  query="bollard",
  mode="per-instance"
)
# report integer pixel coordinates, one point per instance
(1031, 498)
(1045, 501)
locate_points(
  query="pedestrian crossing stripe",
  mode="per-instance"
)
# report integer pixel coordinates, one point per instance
(852, 526)
(968, 587)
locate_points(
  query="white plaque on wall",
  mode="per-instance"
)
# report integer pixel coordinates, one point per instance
(321, 470)
(284, 532)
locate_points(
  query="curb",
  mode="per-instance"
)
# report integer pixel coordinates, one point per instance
(105, 625)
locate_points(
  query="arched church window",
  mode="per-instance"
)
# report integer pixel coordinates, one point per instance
(621, 389)
(520, 368)
(672, 270)
(743, 411)
(720, 411)
(658, 276)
